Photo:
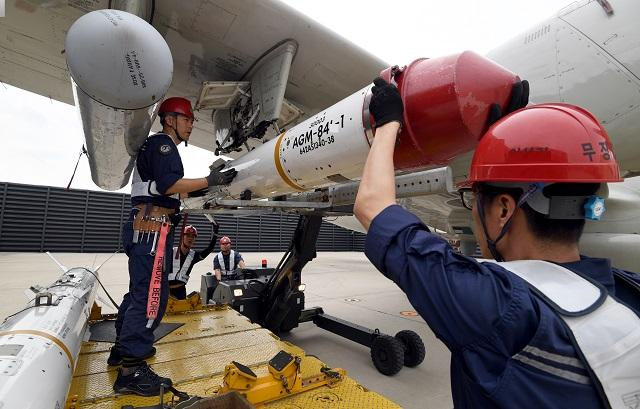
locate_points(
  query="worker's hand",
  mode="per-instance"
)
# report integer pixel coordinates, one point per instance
(519, 99)
(218, 177)
(216, 228)
(386, 103)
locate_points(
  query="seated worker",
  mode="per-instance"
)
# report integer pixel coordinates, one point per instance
(221, 262)
(186, 258)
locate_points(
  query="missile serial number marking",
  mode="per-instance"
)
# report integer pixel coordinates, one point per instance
(305, 142)
(317, 144)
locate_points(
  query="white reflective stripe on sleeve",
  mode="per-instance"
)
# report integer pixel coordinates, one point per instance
(608, 337)
(536, 357)
(561, 359)
(562, 373)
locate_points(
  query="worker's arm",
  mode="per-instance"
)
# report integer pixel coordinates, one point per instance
(201, 255)
(185, 185)
(216, 177)
(241, 264)
(168, 171)
(377, 187)
(217, 269)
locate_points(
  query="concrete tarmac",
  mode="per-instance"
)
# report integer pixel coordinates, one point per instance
(344, 284)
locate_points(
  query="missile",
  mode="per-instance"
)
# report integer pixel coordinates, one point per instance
(39, 345)
(446, 102)
(120, 68)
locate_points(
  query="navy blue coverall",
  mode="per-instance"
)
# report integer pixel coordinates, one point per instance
(508, 348)
(159, 161)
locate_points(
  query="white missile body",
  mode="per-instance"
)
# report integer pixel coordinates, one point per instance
(446, 106)
(39, 346)
(329, 147)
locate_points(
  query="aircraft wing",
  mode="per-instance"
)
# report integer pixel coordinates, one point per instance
(587, 54)
(211, 41)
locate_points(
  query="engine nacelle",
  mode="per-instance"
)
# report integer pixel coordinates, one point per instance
(121, 68)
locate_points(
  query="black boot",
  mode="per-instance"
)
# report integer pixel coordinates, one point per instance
(142, 381)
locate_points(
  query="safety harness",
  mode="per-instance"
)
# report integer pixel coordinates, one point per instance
(181, 273)
(605, 332)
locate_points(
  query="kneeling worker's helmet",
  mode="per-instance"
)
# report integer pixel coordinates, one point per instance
(189, 229)
(225, 240)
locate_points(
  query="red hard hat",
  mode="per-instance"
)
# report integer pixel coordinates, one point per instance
(225, 240)
(189, 229)
(176, 105)
(545, 143)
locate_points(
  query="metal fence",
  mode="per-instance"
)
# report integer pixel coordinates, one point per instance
(44, 218)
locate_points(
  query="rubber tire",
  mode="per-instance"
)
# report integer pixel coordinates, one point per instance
(387, 354)
(414, 349)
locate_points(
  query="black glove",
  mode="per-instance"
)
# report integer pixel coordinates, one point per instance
(216, 177)
(519, 99)
(216, 228)
(386, 103)
(198, 193)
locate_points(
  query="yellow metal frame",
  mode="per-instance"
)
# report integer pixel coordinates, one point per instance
(196, 356)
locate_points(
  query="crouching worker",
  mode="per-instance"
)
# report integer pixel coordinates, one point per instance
(546, 327)
(185, 258)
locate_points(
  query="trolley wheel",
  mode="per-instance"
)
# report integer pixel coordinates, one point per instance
(387, 354)
(414, 350)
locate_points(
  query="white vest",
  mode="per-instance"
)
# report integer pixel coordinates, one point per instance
(223, 268)
(180, 273)
(606, 332)
(148, 188)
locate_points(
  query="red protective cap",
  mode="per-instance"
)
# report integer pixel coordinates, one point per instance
(545, 143)
(225, 240)
(189, 229)
(446, 106)
(176, 105)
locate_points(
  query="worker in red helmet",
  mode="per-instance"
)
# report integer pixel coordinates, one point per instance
(227, 260)
(184, 258)
(157, 183)
(540, 325)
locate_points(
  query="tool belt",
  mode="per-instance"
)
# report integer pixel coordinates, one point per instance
(149, 218)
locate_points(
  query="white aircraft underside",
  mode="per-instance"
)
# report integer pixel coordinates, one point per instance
(588, 54)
